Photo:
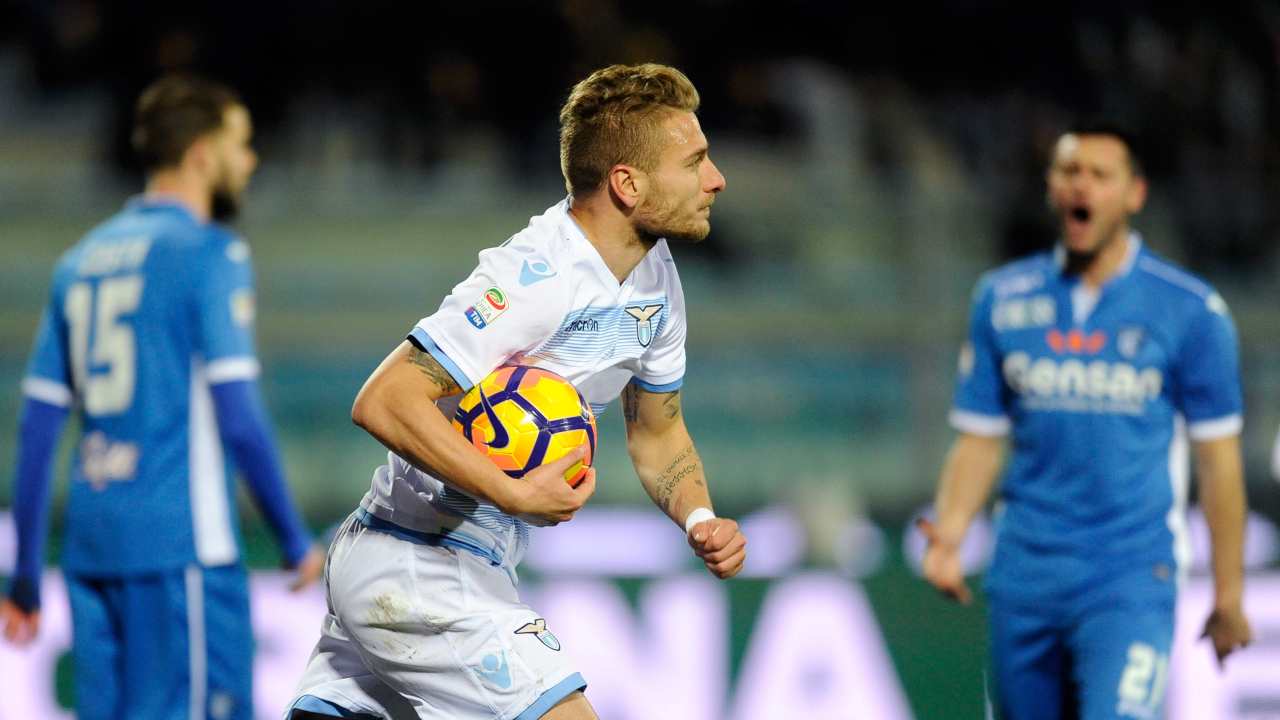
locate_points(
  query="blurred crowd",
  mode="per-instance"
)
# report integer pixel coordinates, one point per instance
(969, 92)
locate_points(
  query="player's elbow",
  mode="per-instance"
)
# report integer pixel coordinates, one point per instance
(363, 412)
(373, 409)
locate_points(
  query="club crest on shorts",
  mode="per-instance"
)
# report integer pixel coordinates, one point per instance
(538, 628)
(644, 322)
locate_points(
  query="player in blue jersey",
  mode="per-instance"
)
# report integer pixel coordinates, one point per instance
(147, 337)
(1096, 360)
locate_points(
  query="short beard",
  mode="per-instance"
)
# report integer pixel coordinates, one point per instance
(652, 232)
(658, 221)
(224, 205)
(692, 237)
(1078, 262)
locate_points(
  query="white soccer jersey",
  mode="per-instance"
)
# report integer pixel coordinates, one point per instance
(545, 298)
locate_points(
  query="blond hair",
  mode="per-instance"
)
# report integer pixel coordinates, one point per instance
(612, 117)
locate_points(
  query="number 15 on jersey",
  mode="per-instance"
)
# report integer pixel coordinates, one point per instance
(101, 337)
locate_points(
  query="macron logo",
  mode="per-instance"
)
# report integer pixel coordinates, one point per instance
(534, 272)
(494, 669)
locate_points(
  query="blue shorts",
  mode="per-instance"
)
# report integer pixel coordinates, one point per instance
(173, 644)
(1101, 655)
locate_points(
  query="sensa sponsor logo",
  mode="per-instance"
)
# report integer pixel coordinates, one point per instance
(1118, 386)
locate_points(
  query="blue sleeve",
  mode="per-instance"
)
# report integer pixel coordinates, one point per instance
(38, 431)
(980, 400)
(1208, 374)
(225, 301)
(245, 431)
(48, 375)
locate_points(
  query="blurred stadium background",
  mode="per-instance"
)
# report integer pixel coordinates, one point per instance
(876, 165)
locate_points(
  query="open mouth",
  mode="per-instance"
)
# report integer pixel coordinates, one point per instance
(1079, 213)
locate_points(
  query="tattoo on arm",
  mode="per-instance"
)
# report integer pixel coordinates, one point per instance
(685, 463)
(630, 403)
(671, 406)
(435, 372)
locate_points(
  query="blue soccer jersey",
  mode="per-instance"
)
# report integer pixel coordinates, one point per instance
(1096, 389)
(147, 312)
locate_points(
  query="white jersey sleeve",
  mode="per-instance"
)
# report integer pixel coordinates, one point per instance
(661, 367)
(501, 310)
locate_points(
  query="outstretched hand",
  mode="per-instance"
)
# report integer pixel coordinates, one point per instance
(942, 566)
(721, 545)
(543, 497)
(20, 627)
(1228, 629)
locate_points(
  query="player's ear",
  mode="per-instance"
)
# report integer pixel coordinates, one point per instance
(627, 184)
(1137, 196)
(199, 155)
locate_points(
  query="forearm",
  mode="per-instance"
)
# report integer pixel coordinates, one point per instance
(671, 472)
(243, 423)
(426, 439)
(1222, 497)
(967, 478)
(39, 429)
(398, 409)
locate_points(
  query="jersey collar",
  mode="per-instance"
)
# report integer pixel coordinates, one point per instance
(574, 230)
(1130, 258)
(161, 202)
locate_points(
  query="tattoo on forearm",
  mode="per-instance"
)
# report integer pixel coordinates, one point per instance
(630, 403)
(434, 371)
(686, 462)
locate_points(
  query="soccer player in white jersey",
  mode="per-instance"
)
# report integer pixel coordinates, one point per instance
(424, 616)
(1094, 359)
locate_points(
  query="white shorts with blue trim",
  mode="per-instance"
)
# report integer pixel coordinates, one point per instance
(420, 629)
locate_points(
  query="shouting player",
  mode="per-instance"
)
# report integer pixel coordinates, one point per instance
(1094, 359)
(148, 336)
(424, 617)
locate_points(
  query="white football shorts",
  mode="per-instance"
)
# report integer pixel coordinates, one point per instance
(419, 629)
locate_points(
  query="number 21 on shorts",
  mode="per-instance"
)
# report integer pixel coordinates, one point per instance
(1142, 682)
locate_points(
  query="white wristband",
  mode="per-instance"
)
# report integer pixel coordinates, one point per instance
(697, 516)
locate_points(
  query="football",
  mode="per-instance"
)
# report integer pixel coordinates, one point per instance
(521, 417)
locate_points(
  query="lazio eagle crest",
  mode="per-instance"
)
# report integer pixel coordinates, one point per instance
(644, 321)
(538, 628)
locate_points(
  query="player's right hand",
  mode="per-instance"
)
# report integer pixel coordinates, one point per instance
(544, 498)
(20, 627)
(1228, 629)
(309, 570)
(942, 566)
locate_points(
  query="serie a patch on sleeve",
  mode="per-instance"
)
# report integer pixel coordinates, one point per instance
(243, 307)
(487, 309)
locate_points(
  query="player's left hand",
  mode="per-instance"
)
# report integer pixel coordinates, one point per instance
(20, 627)
(1228, 629)
(721, 545)
(309, 569)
